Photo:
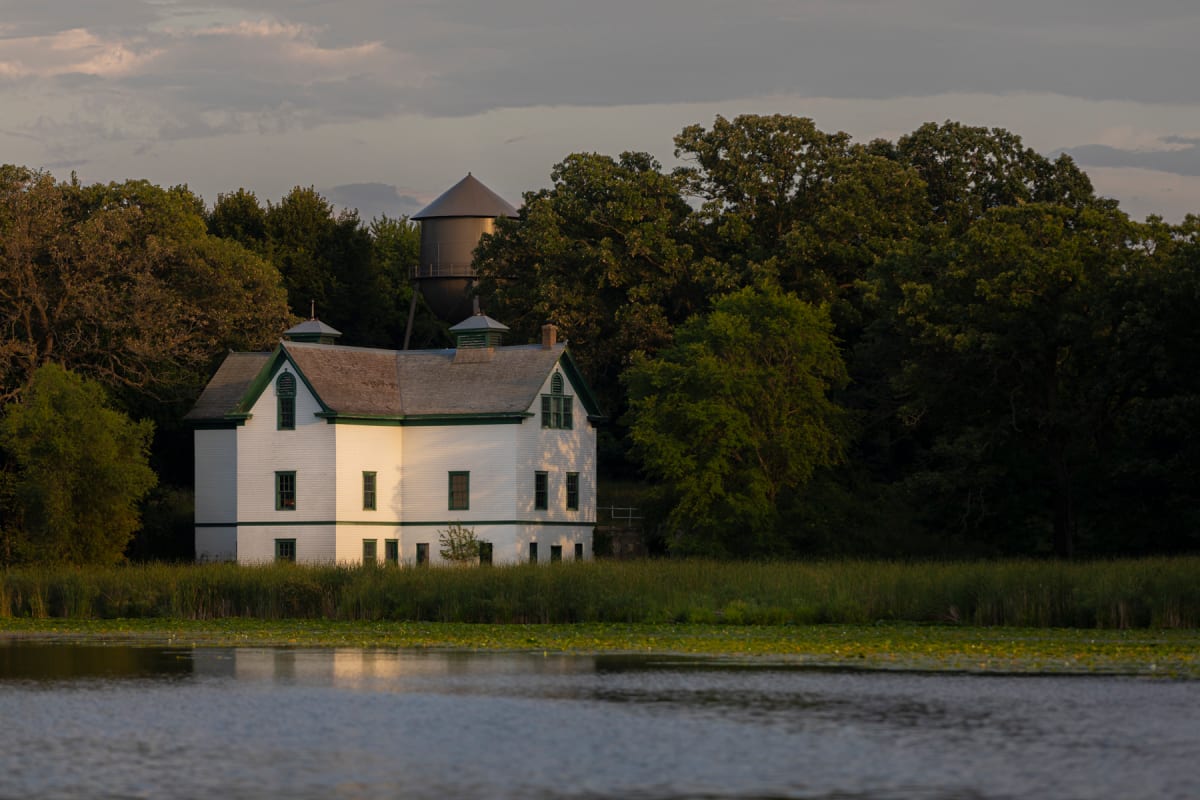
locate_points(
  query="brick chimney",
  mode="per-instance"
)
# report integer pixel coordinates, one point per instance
(549, 336)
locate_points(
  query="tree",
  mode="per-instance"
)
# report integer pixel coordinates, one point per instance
(1020, 360)
(970, 170)
(599, 254)
(458, 544)
(735, 416)
(122, 283)
(76, 469)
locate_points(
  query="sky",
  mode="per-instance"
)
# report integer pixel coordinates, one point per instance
(383, 104)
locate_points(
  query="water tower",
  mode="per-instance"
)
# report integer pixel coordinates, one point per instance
(450, 230)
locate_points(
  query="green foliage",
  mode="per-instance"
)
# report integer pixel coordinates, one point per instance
(1156, 593)
(458, 544)
(735, 416)
(77, 471)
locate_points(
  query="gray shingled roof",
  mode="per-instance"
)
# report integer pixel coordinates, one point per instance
(226, 388)
(392, 383)
(467, 198)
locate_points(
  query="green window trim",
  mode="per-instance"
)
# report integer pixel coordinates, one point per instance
(285, 491)
(557, 408)
(459, 491)
(573, 491)
(391, 551)
(368, 484)
(370, 553)
(485, 553)
(541, 491)
(285, 550)
(422, 554)
(285, 392)
(555, 553)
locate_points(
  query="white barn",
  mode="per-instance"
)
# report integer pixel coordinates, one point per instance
(320, 453)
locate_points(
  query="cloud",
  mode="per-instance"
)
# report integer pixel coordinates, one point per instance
(73, 51)
(1182, 157)
(374, 200)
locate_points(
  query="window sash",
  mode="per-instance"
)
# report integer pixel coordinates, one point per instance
(460, 491)
(368, 491)
(370, 551)
(541, 491)
(573, 491)
(391, 551)
(285, 491)
(557, 411)
(285, 550)
(287, 414)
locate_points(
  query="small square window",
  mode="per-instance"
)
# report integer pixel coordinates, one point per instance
(285, 550)
(285, 491)
(573, 491)
(370, 549)
(541, 491)
(368, 491)
(391, 551)
(460, 491)
(555, 553)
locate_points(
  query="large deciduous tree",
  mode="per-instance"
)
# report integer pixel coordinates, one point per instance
(75, 471)
(122, 283)
(599, 254)
(735, 416)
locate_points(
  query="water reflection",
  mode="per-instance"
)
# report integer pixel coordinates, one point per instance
(87, 720)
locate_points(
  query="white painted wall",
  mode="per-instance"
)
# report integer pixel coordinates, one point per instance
(216, 544)
(431, 453)
(309, 452)
(216, 494)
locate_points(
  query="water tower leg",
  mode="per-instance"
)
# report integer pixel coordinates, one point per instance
(412, 311)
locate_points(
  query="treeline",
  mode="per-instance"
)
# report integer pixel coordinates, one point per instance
(947, 345)
(943, 345)
(118, 302)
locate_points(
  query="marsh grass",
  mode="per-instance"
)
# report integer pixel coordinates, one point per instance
(1146, 593)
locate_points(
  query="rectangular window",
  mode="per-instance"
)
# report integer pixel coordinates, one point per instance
(368, 491)
(460, 491)
(541, 491)
(370, 549)
(579, 551)
(555, 553)
(287, 413)
(485, 553)
(556, 411)
(422, 553)
(285, 550)
(391, 551)
(285, 491)
(533, 552)
(573, 491)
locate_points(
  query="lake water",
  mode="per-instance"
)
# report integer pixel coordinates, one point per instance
(133, 722)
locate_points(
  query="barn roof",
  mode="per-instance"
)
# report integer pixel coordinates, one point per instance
(399, 385)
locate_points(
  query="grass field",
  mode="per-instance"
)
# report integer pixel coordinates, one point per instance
(1155, 594)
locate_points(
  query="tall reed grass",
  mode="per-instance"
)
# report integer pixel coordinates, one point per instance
(1159, 593)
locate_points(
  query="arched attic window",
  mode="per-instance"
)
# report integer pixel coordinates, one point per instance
(285, 392)
(556, 406)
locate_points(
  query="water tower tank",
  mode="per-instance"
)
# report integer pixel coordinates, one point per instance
(450, 230)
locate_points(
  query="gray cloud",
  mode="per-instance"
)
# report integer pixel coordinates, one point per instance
(1182, 161)
(373, 200)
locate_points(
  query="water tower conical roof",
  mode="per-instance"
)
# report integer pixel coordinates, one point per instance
(467, 198)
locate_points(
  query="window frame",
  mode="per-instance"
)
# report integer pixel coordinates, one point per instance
(541, 490)
(558, 407)
(282, 548)
(369, 490)
(391, 551)
(451, 502)
(486, 552)
(555, 553)
(285, 407)
(280, 502)
(533, 552)
(422, 554)
(572, 491)
(579, 551)
(370, 551)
